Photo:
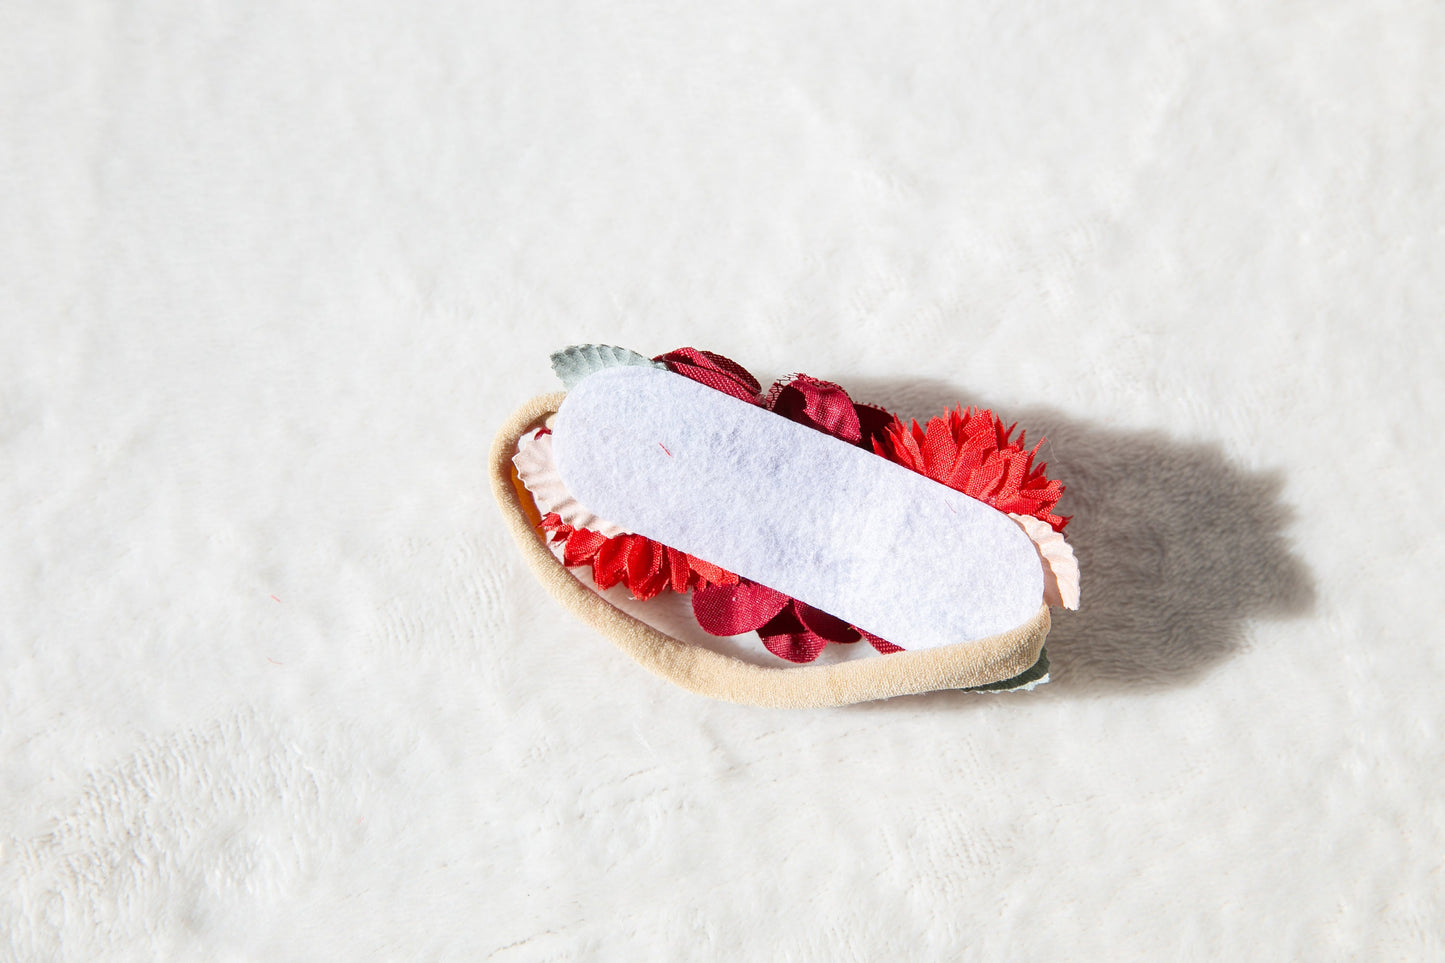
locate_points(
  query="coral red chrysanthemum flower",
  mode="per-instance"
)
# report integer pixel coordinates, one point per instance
(970, 451)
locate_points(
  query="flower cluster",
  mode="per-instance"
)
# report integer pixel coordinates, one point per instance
(968, 450)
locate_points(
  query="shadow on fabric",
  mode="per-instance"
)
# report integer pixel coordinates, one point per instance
(1177, 547)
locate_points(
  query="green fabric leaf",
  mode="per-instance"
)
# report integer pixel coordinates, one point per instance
(574, 363)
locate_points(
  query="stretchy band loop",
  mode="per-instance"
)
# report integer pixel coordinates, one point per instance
(719, 676)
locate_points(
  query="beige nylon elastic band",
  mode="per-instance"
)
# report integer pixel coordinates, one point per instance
(720, 676)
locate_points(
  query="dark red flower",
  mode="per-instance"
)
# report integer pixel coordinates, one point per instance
(817, 404)
(970, 451)
(825, 406)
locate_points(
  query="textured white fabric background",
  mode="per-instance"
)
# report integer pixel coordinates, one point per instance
(274, 685)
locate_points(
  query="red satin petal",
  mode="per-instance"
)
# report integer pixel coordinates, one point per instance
(713, 370)
(938, 449)
(678, 571)
(880, 644)
(800, 647)
(609, 566)
(788, 638)
(735, 609)
(556, 530)
(711, 573)
(645, 578)
(817, 404)
(983, 483)
(823, 625)
(582, 546)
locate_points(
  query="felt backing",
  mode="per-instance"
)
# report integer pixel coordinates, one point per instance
(880, 546)
(963, 665)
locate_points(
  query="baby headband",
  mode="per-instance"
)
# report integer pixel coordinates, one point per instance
(797, 514)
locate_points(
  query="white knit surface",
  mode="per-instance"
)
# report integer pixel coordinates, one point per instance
(275, 685)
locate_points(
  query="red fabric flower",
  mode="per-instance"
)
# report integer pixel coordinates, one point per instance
(970, 451)
(713, 370)
(646, 567)
(825, 406)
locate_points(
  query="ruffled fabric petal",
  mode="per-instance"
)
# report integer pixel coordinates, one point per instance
(823, 625)
(1061, 568)
(554, 536)
(882, 645)
(646, 575)
(609, 565)
(583, 546)
(537, 468)
(735, 609)
(817, 404)
(677, 569)
(710, 573)
(788, 638)
(713, 370)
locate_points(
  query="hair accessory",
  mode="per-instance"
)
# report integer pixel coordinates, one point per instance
(797, 514)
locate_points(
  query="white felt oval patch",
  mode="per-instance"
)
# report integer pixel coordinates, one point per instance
(873, 543)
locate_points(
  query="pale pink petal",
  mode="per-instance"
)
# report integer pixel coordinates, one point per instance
(1061, 569)
(538, 471)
